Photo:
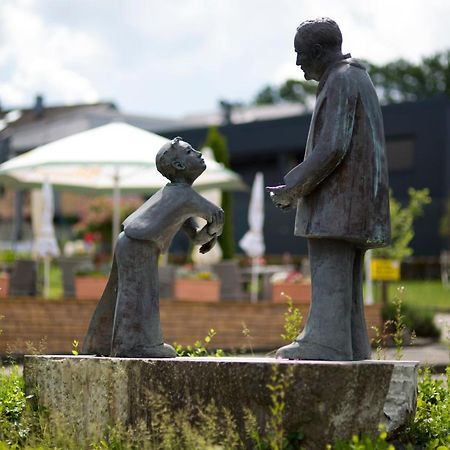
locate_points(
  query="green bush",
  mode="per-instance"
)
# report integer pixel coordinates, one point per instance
(431, 426)
(14, 425)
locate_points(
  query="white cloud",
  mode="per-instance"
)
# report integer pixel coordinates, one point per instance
(41, 58)
(175, 57)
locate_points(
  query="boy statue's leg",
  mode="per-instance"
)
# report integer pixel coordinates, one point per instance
(137, 328)
(98, 337)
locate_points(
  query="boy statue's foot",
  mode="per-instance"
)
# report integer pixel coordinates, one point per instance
(157, 351)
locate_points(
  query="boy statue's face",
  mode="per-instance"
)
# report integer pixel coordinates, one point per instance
(188, 161)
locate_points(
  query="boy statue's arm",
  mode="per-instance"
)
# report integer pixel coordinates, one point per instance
(206, 236)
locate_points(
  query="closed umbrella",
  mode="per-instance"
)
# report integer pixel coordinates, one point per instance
(45, 246)
(253, 241)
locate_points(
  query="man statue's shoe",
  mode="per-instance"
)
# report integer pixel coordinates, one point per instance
(312, 352)
(291, 351)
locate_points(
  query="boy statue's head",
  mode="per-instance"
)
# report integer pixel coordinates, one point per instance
(179, 162)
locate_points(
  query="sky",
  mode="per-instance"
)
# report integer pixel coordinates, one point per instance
(170, 58)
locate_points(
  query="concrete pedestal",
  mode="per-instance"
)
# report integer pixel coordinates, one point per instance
(325, 401)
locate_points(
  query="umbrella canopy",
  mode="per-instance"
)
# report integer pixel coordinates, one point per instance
(96, 160)
(113, 158)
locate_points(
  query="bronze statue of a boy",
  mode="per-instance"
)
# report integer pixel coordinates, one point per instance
(126, 322)
(340, 192)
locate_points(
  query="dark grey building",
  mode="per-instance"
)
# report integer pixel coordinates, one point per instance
(418, 148)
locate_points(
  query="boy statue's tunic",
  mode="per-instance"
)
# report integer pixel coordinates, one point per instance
(126, 321)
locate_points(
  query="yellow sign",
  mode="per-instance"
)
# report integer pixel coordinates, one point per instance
(385, 270)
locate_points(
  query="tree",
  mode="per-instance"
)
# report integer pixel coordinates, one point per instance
(396, 81)
(402, 80)
(402, 224)
(292, 91)
(217, 143)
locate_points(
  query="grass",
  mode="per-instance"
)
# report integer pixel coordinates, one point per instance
(429, 294)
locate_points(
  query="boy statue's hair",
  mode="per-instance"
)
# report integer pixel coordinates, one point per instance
(164, 158)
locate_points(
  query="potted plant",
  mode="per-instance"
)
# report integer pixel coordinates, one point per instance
(290, 284)
(195, 285)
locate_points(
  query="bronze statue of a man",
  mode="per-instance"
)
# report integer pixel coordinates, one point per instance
(341, 194)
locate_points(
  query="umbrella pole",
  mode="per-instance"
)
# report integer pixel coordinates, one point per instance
(46, 276)
(254, 285)
(116, 208)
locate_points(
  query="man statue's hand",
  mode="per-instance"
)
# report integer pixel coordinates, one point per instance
(281, 196)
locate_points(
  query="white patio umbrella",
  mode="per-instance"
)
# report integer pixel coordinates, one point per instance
(113, 158)
(214, 196)
(253, 241)
(44, 245)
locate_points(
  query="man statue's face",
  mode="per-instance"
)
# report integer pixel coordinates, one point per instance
(307, 58)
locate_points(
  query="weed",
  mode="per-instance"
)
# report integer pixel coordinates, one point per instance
(363, 443)
(199, 348)
(248, 337)
(75, 344)
(292, 321)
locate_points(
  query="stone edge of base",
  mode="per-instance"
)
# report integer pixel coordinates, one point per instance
(227, 359)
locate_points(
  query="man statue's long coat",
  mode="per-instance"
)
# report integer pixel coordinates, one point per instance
(342, 184)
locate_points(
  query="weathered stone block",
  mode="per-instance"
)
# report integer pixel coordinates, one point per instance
(325, 401)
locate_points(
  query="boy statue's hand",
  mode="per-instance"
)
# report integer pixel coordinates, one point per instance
(215, 227)
(205, 248)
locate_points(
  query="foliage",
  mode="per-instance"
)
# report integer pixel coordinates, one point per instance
(199, 348)
(402, 221)
(401, 80)
(431, 426)
(292, 322)
(218, 144)
(14, 426)
(293, 91)
(396, 81)
(363, 443)
(75, 344)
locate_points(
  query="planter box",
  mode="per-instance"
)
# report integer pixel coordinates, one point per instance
(89, 287)
(4, 286)
(197, 290)
(298, 292)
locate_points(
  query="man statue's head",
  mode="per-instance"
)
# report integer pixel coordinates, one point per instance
(317, 44)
